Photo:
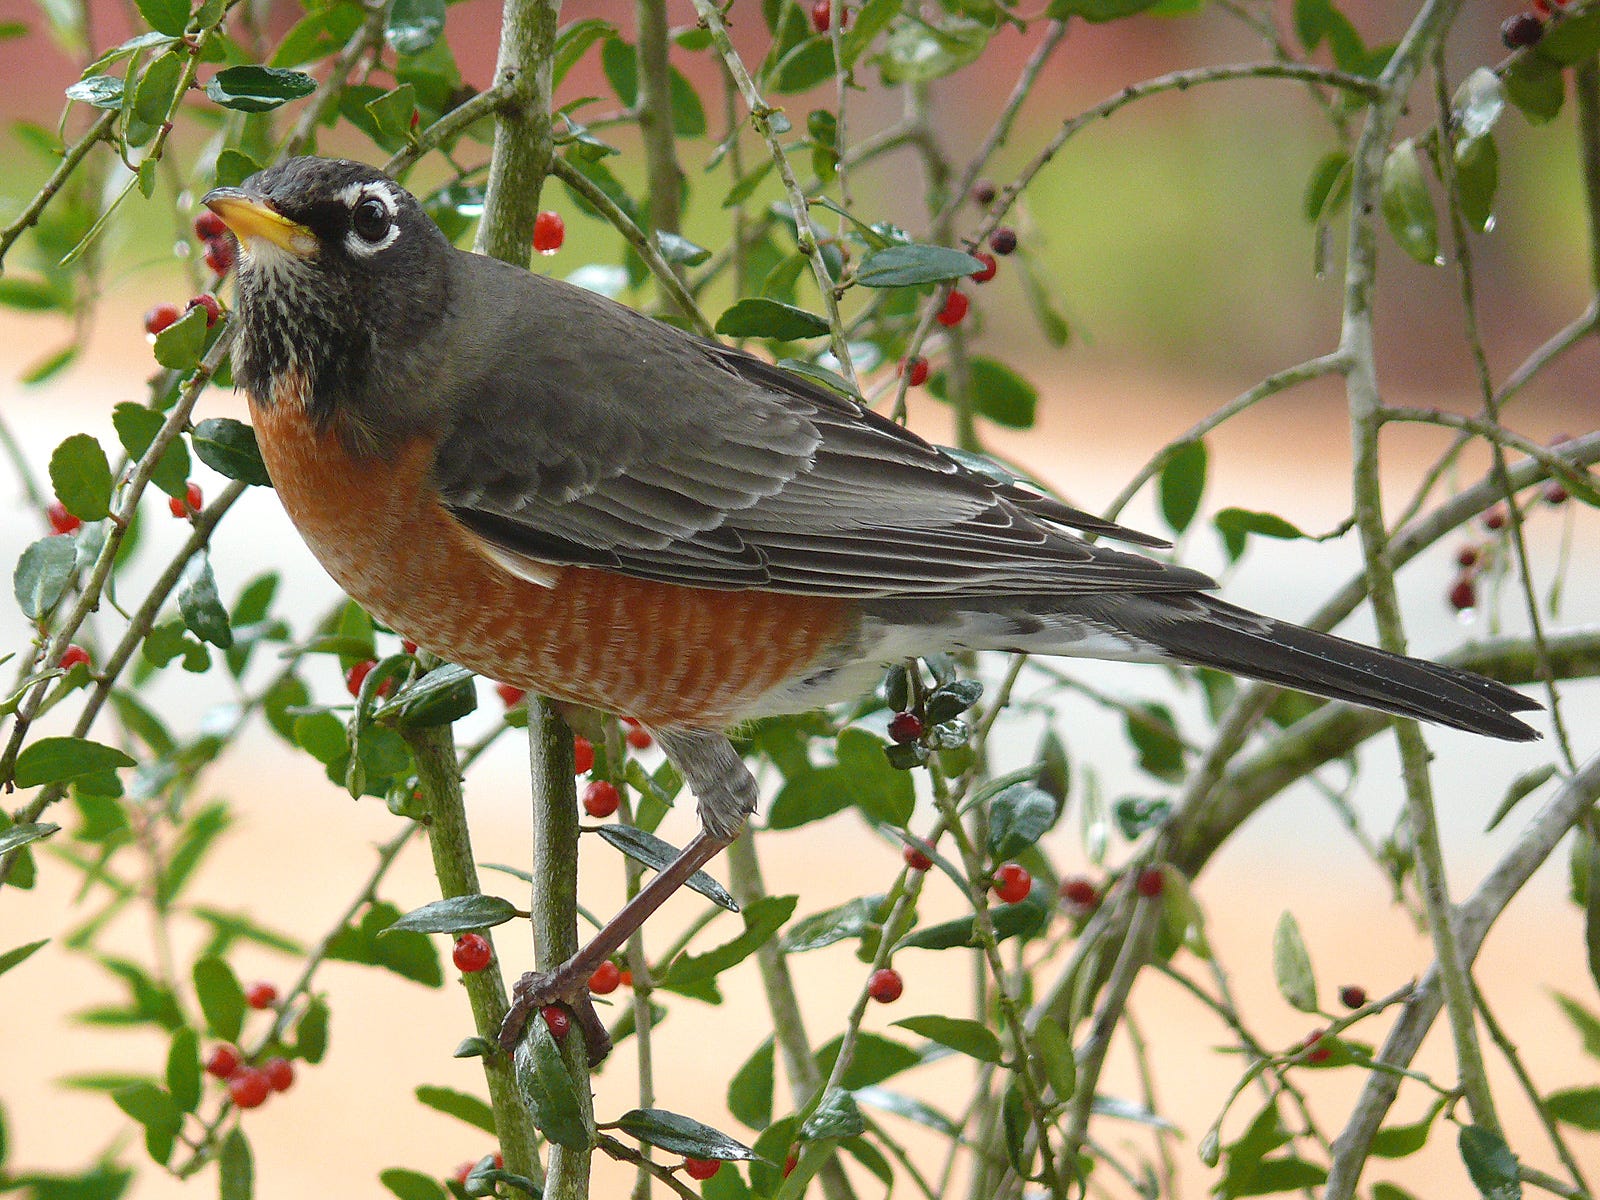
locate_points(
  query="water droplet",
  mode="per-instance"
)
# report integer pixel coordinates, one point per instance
(1489, 224)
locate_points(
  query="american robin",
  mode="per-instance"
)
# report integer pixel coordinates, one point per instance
(555, 491)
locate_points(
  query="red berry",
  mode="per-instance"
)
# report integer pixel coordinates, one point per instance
(1012, 882)
(509, 696)
(640, 739)
(1463, 595)
(159, 317)
(416, 118)
(600, 799)
(1542, 7)
(1523, 29)
(1554, 493)
(72, 656)
(1152, 882)
(1003, 240)
(917, 860)
(885, 985)
(822, 16)
(223, 1060)
(556, 1018)
(472, 953)
(408, 645)
(1352, 996)
(261, 995)
(905, 727)
(605, 979)
(705, 1168)
(549, 231)
(187, 504)
(221, 254)
(249, 1088)
(582, 755)
(209, 303)
(1320, 1050)
(915, 369)
(990, 266)
(357, 675)
(1495, 518)
(279, 1073)
(625, 978)
(462, 1171)
(208, 226)
(1079, 892)
(955, 308)
(983, 193)
(1467, 556)
(61, 521)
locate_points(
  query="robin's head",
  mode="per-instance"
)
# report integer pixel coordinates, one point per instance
(340, 274)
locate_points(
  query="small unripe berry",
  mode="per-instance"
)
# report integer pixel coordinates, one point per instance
(582, 755)
(160, 317)
(223, 1061)
(209, 303)
(600, 799)
(639, 739)
(955, 308)
(1495, 518)
(61, 521)
(187, 504)
(556, 1018)
(72, 656)
(606, 978)
(1463, 595)
(279, 1073)
(1555, 493)
(208, 226)
(261, 995)
(471, 953)
(1468, 556)
(549, 231)
(990, 266)
(1520, 30)
(905, 727)
(1012, 882)
(704, 1168)
(983, 193)
(917, 860)
(885, 985)
(1151, 882)
(915, 369)
(509, 696)
(1003, 240)
(1352, 996)
(249, 1088)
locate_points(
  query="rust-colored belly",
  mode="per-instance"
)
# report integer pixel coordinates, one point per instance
(668, 655)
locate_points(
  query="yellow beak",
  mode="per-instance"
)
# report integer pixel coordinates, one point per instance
(253, 222)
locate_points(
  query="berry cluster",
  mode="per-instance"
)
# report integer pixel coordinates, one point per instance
(249, 1084)
(221, 251)
(1475, 558)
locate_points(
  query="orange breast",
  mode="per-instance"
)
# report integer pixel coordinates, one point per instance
(668, 655)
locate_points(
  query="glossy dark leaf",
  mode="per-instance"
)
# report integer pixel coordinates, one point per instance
(876, 1058)
(1018, 817)
(678, 1134)
(180, 345)
(1182, 483)
(414, 25)
(1490, 1163)
(835, 1118)
(229, 448)
(201, 606)
(165, 16)
(655, 853)
(848, 920)
(61, 759)
(22, 834)
(762, 920)
(445, 694)
(258, 89)
(43, 574)
(456, 914)
(1023, 919)
(757, 317)
(965, 1036)
(908, 266)
(100, 91)
(750, 1091)
(552, 1096)
(1477, 178)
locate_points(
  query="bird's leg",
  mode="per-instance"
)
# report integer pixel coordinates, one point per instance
(727, 794)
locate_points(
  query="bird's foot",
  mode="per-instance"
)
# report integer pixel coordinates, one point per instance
(567, 985)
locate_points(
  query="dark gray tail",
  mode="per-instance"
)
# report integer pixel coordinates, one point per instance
(1203, 631)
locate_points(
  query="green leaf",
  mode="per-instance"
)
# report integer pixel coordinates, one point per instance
(81, 477)
(802, 67)
(872, 18)
(234, 166)
(677, 249)
(311, 1034)
(1182, 483)
(183, 1069)
(170, 17)
(229, 448)
(1014, 1124)
(678, 1134)
(876, 1058)
(756, 317)
(414, 25)
(408, 954)
(1407, 207)
(444, 694)
(917, 53)
(1041, 302)
(1236, 524)
(1287, 1174)
(1097, 11)
(258, 89)
(1398, 1141)
(835, 1118)
(683, 102)
(412, 1185)
(1536, 86)
(1477, 178)
(873, 784)
(1522, 786)
(762, 919)
(1018, 817)
(1316, 21)
(179, 346)
(908, 266)
(455, 914)
(964, 1036)
(236, 1170)
(654, 853)
(153, 1108)
(817, 794)
(997, 392)
(1023, 919)
(221, 998)
(201, 606)
(32, 295)
(1571, 41)
(751, 1088)
(552, 1097)
(1578, 1107)
(461, 1105)
(848, 920)
(392, 111)
(60, 759)
(152, 100)
(1490, 1163)
(23, 833)
(1151, 729)
(1053, 1048)
(14, 956)
(1291, 965)
(100, 91)
(1328, 189)
(44, 572)
(573, 41)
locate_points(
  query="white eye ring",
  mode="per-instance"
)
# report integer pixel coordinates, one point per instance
(373, 224)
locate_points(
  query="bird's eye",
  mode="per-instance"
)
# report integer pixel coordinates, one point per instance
(370, 220)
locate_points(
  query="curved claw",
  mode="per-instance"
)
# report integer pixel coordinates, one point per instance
(561, 986)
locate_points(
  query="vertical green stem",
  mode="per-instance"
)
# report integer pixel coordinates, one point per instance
(523, 145)
(663, 175)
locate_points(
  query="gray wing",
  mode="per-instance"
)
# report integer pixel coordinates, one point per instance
(588, 434)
